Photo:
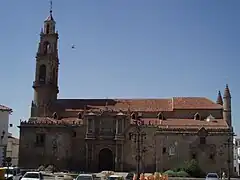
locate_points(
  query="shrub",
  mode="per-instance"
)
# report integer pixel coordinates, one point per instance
(170, 173)
(182, 174)
(193, 169)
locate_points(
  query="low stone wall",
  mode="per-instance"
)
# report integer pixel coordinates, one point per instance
(182, 178)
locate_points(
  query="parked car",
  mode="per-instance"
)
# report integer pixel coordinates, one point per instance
(11, 172)
(212, 176)
(115, 177)
(85, 177)
(32, 176)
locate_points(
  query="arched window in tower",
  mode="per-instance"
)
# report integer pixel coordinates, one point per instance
(46, 47)
(47, 29)
(42, 74)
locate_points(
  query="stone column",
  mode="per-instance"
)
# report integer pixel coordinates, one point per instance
(93, 125)
(116, 158)
(119, 157)
(117, 121)
(100, 126)
(86, 156)
(122, 159)
(123, 120)
(90, 152)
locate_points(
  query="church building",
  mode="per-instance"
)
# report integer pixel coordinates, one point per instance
(100, 134)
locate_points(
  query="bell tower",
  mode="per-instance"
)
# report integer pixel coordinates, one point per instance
(45, 84)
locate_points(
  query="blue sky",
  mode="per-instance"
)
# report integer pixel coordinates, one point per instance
(124, 48)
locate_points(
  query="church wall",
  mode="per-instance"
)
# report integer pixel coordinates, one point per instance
(148, 151)
(78, 159)
(27, 150)
(56, 148)
(185, 146)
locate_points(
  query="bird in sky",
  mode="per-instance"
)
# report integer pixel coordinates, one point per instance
(73, 46)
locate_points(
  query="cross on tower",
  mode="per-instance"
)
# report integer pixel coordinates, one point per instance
(50, 7)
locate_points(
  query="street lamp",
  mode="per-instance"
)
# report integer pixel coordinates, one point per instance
(138, 136)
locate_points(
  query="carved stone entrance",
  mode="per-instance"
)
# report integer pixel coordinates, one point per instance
(106, 160)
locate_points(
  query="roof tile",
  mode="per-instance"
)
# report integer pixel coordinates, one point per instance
(5, 108)
(194, 103)
(144, 105)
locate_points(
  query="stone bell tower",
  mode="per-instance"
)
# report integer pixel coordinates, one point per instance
(45, 84)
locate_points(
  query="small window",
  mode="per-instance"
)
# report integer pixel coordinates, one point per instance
(164, 150)
(42, 73)
(74, 134)
(130, 136)
(40, 139)
(133, 116)
(212, 156)
(47, 29)
(55, 116)
(79, 115)
(172, 151)
(202, 140)
(160, 116)
(194, 156)
(46, 47)
(197, 116)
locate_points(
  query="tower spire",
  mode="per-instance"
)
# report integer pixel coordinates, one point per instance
(50, 10)
(50, 17)
(219, 98)
(227, 93)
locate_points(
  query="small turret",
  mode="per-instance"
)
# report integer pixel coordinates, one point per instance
(227, 114)
(33, 109)
(219, 98)
(49, 23)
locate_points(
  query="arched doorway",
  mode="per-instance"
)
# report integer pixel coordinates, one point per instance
(106, 162)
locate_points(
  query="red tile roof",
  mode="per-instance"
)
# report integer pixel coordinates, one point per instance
(143, 105)
(185, 123)
(194, 103)
(5, 108)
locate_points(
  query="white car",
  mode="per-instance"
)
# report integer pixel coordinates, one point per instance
(32, 176)
(212, 176)
(12, 172)
(115, 177)
(85, 177)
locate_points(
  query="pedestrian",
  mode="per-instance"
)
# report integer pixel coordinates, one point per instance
(223, 175)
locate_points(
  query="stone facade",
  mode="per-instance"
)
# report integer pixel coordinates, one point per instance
(96, 134)
(4, 124)
(13, 149)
